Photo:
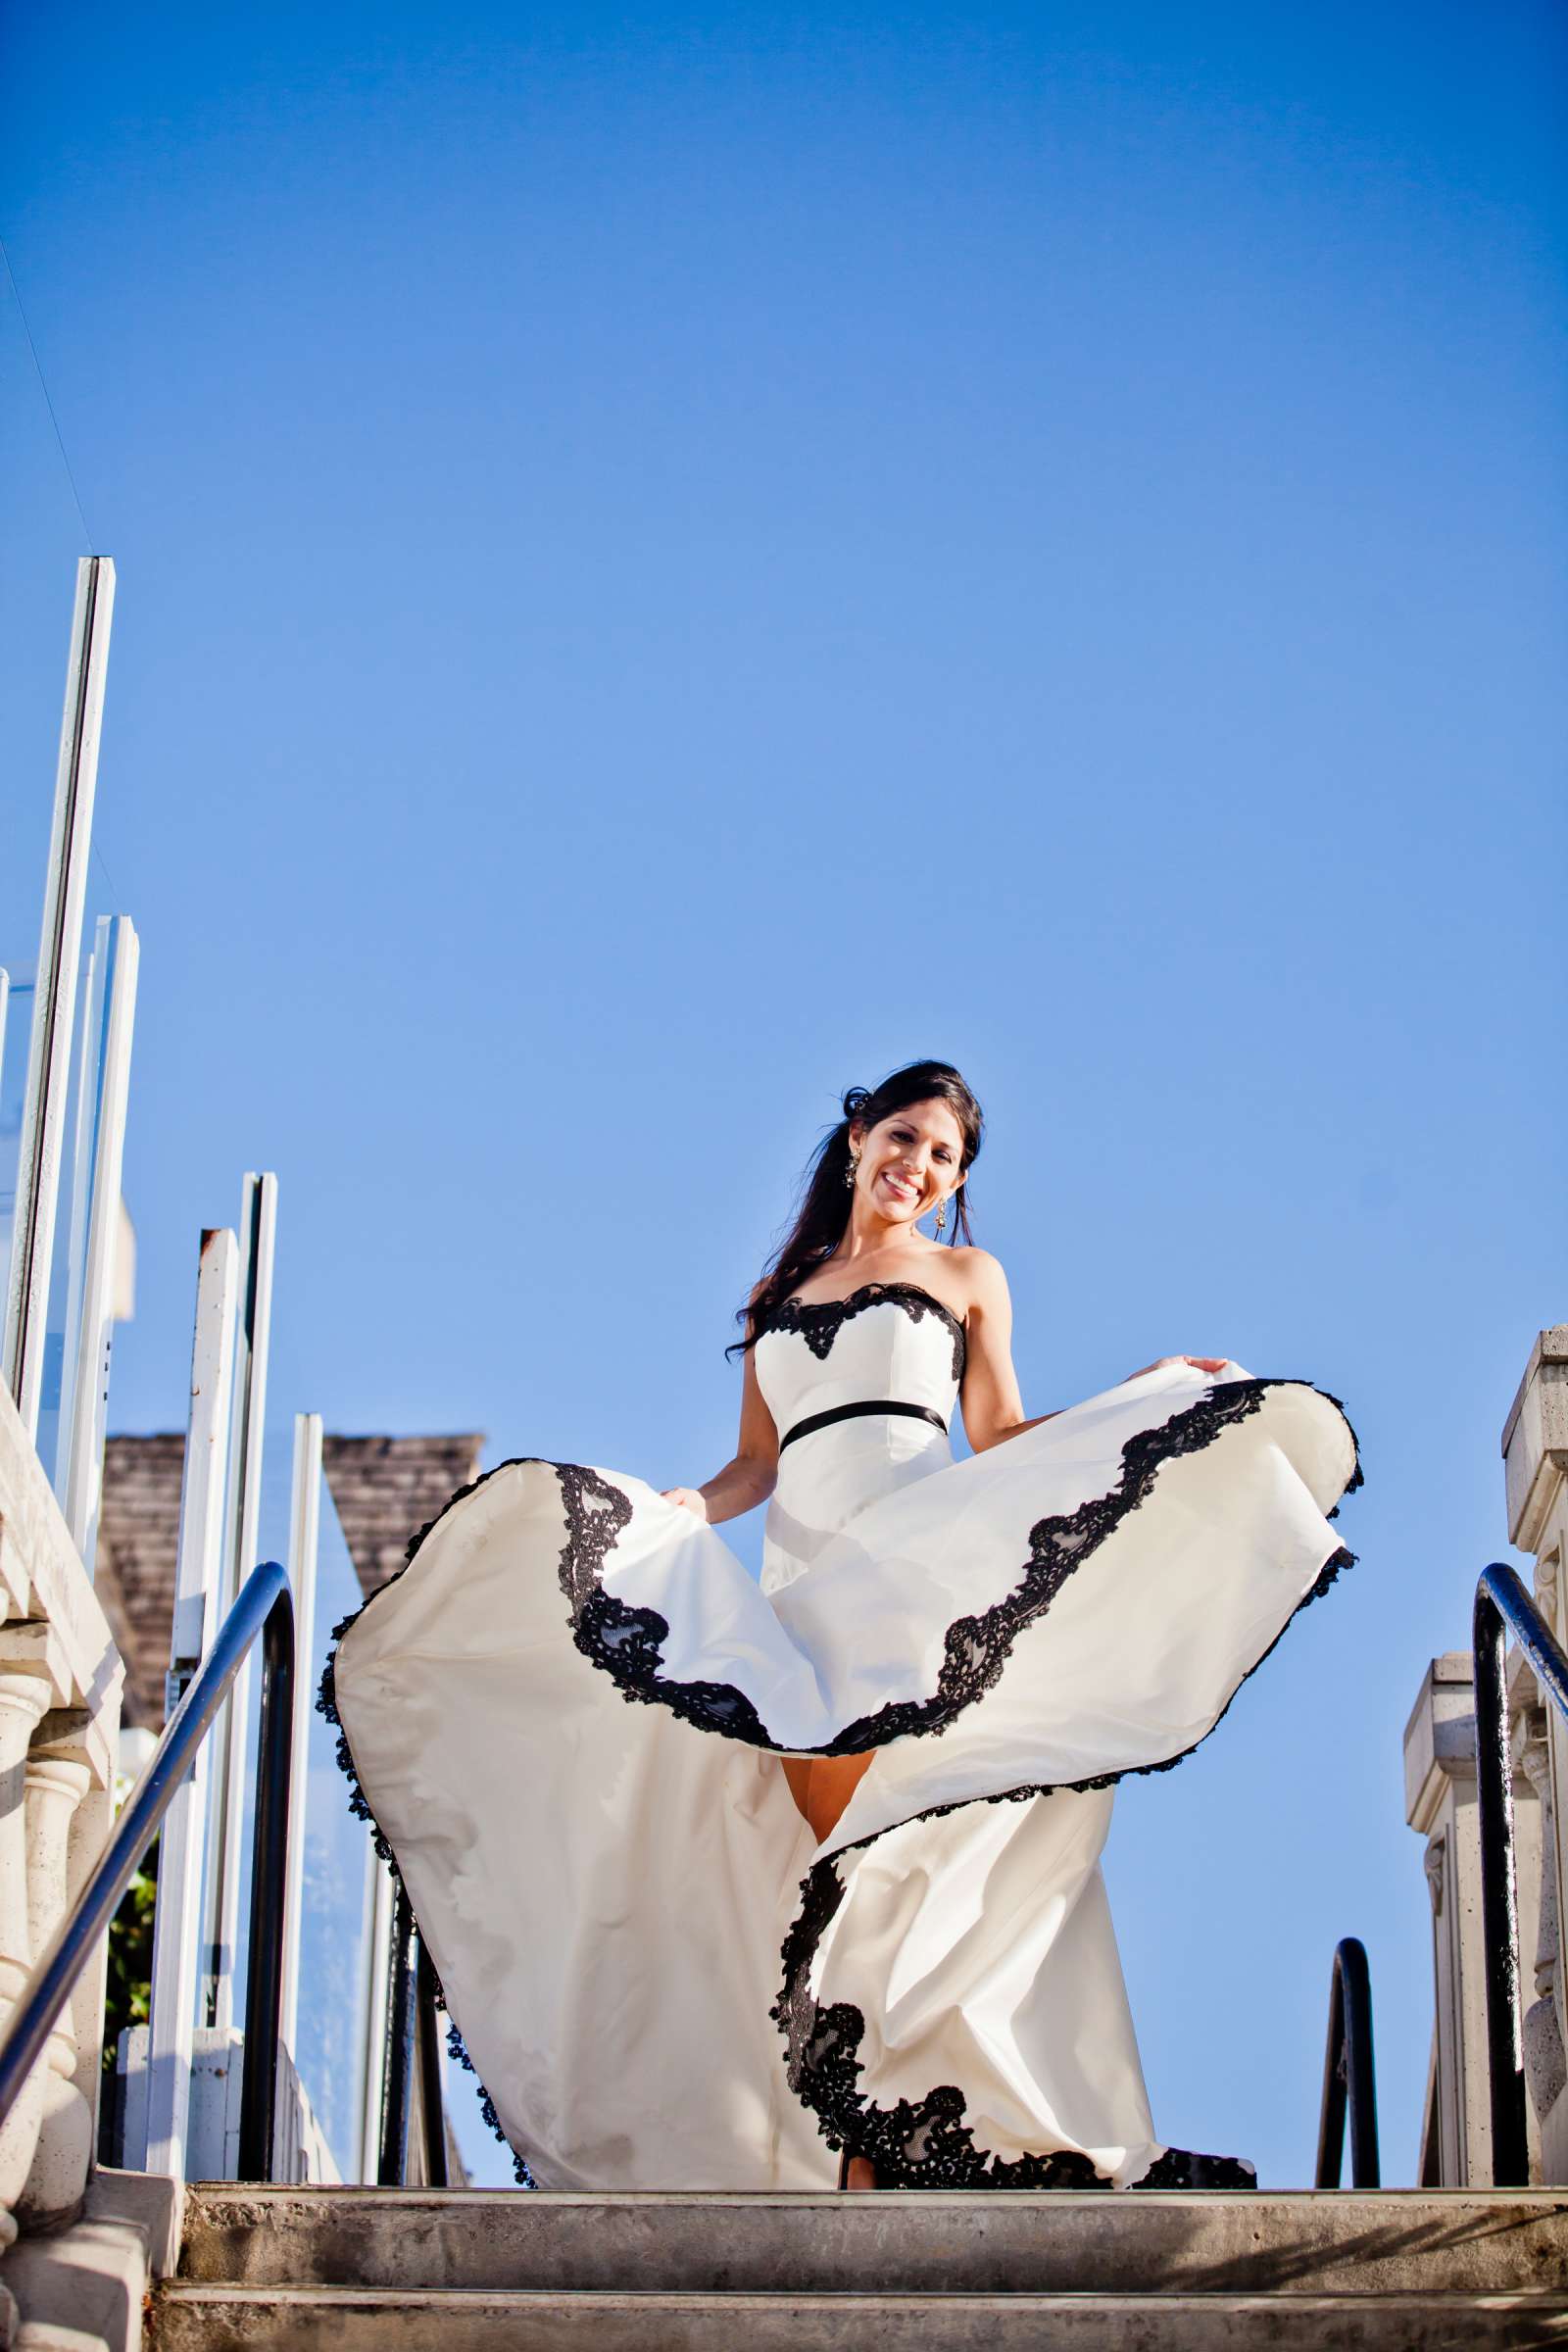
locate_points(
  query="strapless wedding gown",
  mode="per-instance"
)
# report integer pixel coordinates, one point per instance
(564, 1717)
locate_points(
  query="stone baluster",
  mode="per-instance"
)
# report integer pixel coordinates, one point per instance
(1535, 1449)
(24, 1700)
(57, 2179)
(1545, 2065)
(1440, 1782)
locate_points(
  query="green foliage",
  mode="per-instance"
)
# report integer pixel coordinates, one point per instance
(127, 1995)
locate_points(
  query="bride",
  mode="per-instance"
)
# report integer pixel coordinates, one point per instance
(831, 1881)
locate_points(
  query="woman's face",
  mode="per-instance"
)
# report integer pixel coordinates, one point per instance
(908, 1161)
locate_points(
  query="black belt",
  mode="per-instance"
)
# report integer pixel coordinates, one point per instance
(853, 1413)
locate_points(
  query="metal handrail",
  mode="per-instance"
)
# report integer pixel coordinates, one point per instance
(1503, 1607)
(431, 2100)
(1348, 2076)
(265, 1605)
(413, 2043)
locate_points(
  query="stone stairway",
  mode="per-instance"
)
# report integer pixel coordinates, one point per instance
(345, 2270)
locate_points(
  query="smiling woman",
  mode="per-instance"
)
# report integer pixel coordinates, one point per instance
(863, 1801)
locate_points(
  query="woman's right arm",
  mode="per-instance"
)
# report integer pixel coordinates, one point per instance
(750, 1476)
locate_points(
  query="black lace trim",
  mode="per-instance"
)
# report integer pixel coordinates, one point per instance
(359, 1807)
(818, 1321)
(924, 2145)
(1180, 2168)
(626, 1643)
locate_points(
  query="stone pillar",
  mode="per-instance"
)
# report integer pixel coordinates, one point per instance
(1545, 2063)
(57, 2179)
(1535, 1450)
(1440, 1797)
(24, 1700)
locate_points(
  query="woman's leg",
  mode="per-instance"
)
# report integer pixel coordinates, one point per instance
(822, 1786)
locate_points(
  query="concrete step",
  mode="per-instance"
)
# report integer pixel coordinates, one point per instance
(1290, 2243)
(188, 2317)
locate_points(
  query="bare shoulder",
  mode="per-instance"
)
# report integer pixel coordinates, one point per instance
(984, 1284)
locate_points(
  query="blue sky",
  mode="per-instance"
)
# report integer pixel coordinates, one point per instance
(669, 561)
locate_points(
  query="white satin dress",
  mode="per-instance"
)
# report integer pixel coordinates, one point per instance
(565, 1718)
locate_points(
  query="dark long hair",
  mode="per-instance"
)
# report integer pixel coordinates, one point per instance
(825, 1193)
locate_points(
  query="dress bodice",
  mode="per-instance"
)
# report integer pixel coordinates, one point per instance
(887, 1340)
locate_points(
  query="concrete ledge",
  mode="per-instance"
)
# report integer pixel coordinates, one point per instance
(83, 2289)
(242, 2236)
(215, 2319)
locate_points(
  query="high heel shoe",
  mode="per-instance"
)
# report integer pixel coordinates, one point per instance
(844, 2162)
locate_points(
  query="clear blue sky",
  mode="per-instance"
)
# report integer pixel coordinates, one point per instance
(668, 562)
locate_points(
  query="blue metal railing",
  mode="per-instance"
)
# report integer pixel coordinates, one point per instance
(1503, 1607)
(1348, 2076)
(265, 1606)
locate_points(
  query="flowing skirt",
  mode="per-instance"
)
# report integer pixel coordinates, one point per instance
(566, 1716)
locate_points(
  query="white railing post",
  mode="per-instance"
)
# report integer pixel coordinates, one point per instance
(54, 1003)
(248, 1417)
(305, 1528)
(379, 1896)
(86, 1404)
(176, 1921)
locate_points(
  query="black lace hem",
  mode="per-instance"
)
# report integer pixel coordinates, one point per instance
(626, 1643)
(923, 2144)
(818, 1321)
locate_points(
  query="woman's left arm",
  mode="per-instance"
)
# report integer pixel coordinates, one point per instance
(993, 1408)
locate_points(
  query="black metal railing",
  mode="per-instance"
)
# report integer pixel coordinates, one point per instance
(265, 1606)
(413, 2043)
(1503, 1607)
(1349, 2080)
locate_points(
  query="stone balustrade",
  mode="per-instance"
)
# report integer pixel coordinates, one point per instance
(1535, 1452)
(1440, 1766)
(60, 1686)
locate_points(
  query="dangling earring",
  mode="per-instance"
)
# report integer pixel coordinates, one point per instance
(942, 1217)
(852, 1170)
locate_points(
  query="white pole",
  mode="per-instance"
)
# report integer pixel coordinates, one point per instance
(54, 1003)
(378, 1900)
(83, 1450)
(305, 1528)
(54, 1443)
(176, 1921)
(259, 1226)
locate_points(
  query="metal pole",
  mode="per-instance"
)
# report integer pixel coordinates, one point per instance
(400, 2013)
(430, 2094)
(305, 1527)
(1349, 2075)
(1331, 2118)
(54, 1003)
(379, 1898)
(1361, 2075)
(57, 1397)
(264, 1980)
(82, 1448)
(176, 1921)
(257, 1227)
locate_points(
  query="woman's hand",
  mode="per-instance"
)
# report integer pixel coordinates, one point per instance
(1204, 1363)
(688, 1499)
